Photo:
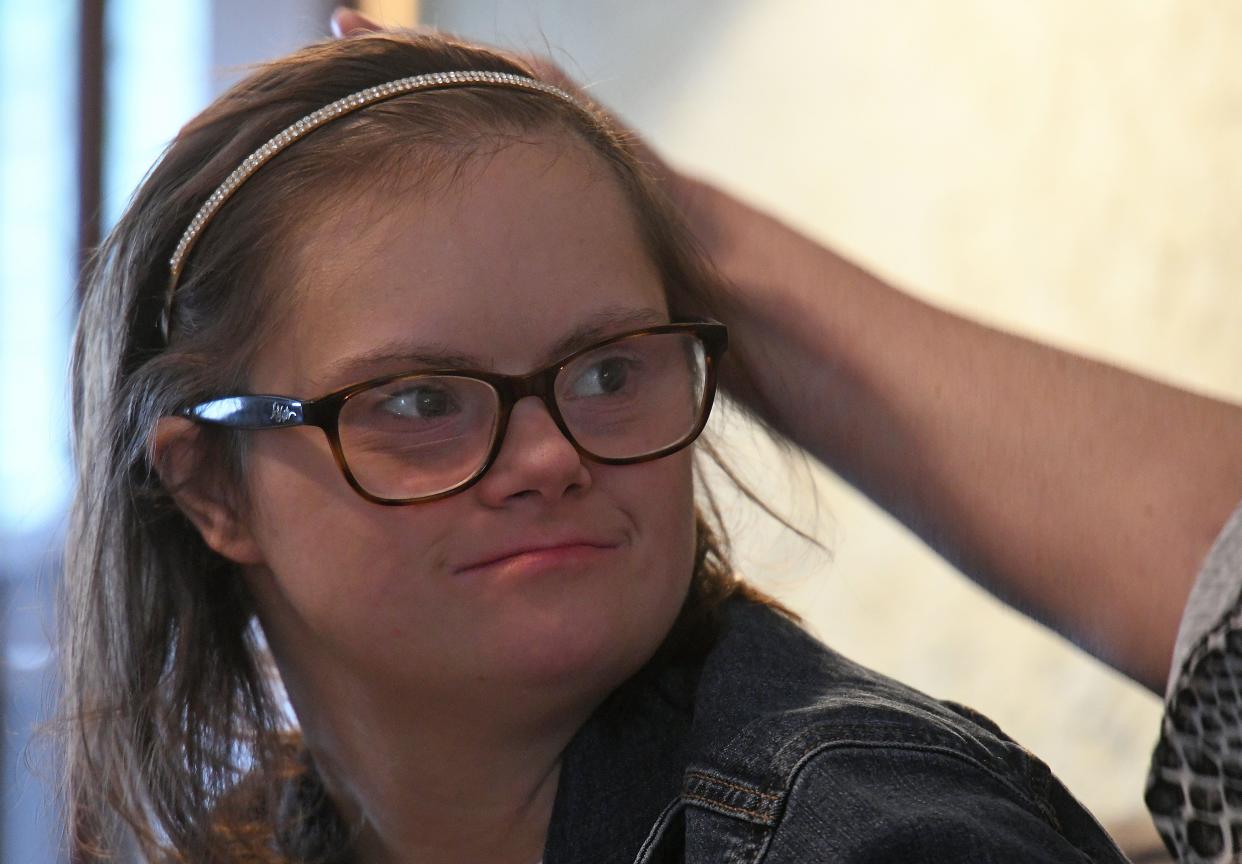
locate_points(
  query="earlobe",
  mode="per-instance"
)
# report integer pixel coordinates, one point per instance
(179, 460)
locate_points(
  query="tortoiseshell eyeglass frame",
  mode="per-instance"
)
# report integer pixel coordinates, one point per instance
(254, 412)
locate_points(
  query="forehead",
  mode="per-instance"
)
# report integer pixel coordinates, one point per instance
(524, 245)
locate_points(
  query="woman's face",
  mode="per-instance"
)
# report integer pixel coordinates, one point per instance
(524, 248)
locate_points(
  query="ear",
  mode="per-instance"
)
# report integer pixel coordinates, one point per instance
(181, 462)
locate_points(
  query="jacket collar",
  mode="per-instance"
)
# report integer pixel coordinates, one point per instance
(622, 770)
(674, 725)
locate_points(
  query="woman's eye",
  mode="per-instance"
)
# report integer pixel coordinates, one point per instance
(419, 403)
(605, 377)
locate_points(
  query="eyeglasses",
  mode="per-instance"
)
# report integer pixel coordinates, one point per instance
(422, 435)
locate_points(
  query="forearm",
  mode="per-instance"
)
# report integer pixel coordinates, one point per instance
(1076, 491)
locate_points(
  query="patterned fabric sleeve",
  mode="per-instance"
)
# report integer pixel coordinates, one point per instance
(1194, 787)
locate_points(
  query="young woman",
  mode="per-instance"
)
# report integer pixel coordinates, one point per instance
(386, 546)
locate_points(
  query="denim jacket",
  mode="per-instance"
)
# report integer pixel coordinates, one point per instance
(778, 750)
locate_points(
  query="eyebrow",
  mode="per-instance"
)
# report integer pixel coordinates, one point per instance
(594, 328)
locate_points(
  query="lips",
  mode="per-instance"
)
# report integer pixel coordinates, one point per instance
(509, 551)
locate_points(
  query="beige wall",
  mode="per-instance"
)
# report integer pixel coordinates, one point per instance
(1071, 170)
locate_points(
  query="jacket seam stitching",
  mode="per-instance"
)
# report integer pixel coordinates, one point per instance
(712, 804)
(749, 790)
(873, 745)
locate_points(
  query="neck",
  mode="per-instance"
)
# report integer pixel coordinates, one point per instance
(464, 782)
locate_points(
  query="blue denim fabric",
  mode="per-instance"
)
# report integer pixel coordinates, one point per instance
(776, 749)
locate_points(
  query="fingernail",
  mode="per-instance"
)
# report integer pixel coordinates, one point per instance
(335, 22)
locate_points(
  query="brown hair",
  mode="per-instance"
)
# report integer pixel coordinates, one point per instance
(177, 734)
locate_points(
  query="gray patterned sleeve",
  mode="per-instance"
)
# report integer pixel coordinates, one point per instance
(1194, 787)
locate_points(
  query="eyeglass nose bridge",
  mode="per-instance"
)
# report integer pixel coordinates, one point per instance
(540, 384)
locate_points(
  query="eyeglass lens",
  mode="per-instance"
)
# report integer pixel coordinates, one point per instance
(424, 434)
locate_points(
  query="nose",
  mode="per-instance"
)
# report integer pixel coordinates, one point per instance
(535, 459)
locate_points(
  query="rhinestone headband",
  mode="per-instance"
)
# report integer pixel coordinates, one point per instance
(311, 122)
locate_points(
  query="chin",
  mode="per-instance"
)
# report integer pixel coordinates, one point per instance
(590, 653)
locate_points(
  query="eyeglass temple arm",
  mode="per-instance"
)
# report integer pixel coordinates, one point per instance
(248, 412)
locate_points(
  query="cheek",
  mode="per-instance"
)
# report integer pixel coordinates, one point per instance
(660, 498)
(306, 514)
(663, 502)
(336, 559)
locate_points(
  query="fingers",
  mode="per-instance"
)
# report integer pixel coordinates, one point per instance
(348, 22)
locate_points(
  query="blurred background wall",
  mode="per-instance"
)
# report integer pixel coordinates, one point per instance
(1063, 169)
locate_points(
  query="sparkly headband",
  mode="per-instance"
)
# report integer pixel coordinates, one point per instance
(311, 122)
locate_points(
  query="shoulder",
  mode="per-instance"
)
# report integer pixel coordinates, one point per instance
(814, 757)
(902, 803)
(1200, 712)
(770, 694)
(1213, 598)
